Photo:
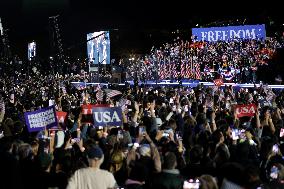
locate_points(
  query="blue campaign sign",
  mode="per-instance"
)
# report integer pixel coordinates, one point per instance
(229, 33)
(41, 119)
(107, 116)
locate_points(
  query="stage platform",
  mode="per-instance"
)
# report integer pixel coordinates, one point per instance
(175, 83)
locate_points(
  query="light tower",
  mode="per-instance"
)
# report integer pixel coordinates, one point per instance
(56, 45)
(5, 47)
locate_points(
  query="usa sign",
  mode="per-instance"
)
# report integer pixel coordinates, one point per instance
(107, 116)
(87, 112)
(246, 110)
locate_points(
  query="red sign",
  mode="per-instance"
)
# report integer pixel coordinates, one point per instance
(218, 82)
(61, 116)
(88, 109)
(246, 110)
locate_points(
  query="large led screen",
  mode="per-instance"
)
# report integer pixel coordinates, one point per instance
(98, 47)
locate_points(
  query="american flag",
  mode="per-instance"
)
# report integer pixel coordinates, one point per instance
(188, 70)
(122, 102)
(100, 95)
(168, 70)
(197, 71)
(218, 82)
(270, 96)
(162, 70)
(98, 87)
(174, 70)
(209, 103)
(182, 69)
(109, 94)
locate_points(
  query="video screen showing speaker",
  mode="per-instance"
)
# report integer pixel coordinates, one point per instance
(98, 48)
(31, 50)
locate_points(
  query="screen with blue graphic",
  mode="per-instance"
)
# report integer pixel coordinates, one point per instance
(98, 47)
(230, 33)
(31, 50)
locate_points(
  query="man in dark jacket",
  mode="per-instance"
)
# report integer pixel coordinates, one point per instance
(170, 177)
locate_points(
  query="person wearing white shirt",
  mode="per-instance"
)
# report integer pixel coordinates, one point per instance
(92, 177)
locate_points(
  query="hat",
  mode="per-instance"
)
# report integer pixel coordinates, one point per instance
(95, 152)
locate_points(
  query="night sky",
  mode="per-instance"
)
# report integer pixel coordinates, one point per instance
(134, 25)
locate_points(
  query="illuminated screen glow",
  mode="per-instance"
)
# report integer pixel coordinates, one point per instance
(31, 50)
(99, 47)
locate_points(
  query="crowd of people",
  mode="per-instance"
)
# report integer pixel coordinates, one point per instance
(236, 60)
(171, 137)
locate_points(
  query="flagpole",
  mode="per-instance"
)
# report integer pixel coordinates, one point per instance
(191, 65)
(59, 94)
(157, 75)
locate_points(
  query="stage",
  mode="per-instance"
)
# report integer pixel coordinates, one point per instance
(192, 84)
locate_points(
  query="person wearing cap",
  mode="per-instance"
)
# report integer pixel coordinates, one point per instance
(93, 176)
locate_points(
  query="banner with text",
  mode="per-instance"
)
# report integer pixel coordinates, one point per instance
(61, 117)
(40, 119)
(229, 33)
(87, 112)
(111, 116)
(246, 110)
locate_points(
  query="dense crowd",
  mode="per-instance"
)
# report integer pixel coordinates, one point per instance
(236, 60)
(170, 137)
(176, 137)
